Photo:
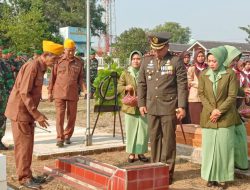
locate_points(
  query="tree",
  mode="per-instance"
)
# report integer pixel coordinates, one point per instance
(179, 34)
(128, 41)
(247, 30)
(61, 13)
(24, 23)
(25, 30)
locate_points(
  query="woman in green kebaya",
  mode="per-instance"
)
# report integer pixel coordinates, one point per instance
(135, 124)
(218, 90)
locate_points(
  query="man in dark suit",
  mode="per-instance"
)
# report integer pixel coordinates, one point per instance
(162, 94)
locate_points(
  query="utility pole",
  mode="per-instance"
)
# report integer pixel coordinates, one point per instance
(88, 141)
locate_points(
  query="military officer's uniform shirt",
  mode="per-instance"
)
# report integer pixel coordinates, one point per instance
(162, 85)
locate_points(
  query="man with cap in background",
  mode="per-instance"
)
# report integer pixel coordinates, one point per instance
(162, 95)
(66, 79)
(37, 53)
(93, 69)
(22, 110)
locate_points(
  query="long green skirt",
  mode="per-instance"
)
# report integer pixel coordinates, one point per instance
(218, 154)
(241, 150)
(136, 134)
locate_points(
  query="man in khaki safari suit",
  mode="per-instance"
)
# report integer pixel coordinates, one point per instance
(162, 94)
(66, 80)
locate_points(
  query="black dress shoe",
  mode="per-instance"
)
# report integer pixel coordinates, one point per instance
(131, 160)
(31, 185)
(209, 184)
(39, 179)
(142, 158)
(215, 183)
(170, 181)
(212, 183)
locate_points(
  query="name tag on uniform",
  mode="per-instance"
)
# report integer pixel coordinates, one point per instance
(150, 65)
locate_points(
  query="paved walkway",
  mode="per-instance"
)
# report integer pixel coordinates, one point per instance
(45, 142)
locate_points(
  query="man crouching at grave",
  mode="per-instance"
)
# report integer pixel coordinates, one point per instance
(22, 110)
(66, 79)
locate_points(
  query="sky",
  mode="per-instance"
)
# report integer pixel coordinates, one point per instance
(213, 20)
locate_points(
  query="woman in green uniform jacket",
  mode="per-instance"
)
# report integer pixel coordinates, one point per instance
(240, 139)
(135, 124)
(218, 90)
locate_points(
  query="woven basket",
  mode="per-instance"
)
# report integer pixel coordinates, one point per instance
(130, 99)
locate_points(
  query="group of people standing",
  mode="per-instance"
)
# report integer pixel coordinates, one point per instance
(167, 86)
(163, 83)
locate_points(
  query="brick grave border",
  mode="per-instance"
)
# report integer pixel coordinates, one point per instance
(92, 174)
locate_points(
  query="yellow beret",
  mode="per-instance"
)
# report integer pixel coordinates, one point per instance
(68, 43)
(51, 47)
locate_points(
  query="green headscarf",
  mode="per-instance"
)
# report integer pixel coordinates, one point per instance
(232, 52)
(220, 54)
(133, 71)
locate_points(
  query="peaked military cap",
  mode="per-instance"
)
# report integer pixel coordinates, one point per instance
(159, 39)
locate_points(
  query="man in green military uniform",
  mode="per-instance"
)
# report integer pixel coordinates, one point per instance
(93, 69)
(6, 84)
(8, 70)
(3, 102)
(162, 95)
